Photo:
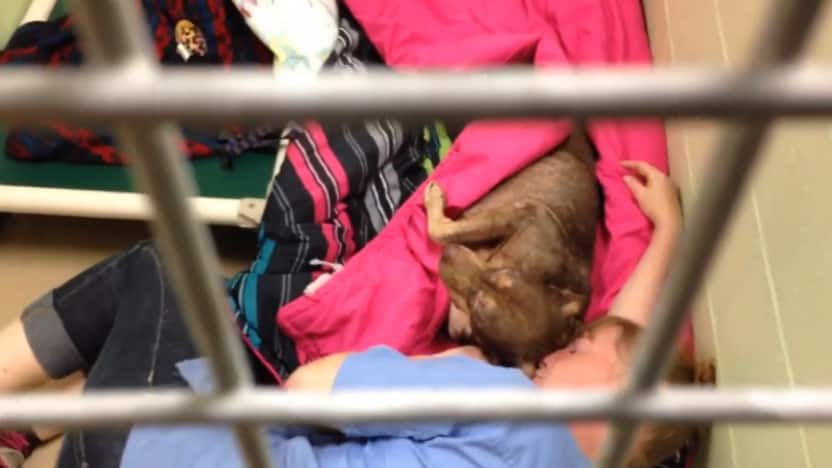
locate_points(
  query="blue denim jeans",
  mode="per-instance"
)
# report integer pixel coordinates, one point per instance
(119, 322)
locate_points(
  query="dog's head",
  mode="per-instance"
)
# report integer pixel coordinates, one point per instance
(499, 309)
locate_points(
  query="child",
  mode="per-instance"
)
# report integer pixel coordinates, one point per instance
(125, 356)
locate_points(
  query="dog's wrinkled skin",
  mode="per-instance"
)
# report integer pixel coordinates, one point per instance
(517, 262)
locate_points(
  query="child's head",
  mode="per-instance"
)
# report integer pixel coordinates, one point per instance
(601, 357)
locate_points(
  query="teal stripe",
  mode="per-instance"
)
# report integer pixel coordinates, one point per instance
(250, 309)
(250, 285)
(264, 256)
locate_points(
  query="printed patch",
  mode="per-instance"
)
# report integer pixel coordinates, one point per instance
(189, 40)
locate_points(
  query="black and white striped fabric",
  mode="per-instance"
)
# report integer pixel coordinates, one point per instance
(338, 187)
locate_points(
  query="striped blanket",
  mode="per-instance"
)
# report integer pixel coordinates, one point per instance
(338, 187)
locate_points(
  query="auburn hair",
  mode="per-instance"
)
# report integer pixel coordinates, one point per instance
(656, 441)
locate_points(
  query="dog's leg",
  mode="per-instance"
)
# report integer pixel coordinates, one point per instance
(435, 202)
(486, 226)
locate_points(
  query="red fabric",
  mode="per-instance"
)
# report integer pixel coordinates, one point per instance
(16, 441)
(390, 293)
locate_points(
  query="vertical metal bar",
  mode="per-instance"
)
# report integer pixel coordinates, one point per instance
(787, 29)
(113, 34)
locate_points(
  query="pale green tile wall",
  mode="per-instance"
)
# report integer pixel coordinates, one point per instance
(10, 13)
(766, 311)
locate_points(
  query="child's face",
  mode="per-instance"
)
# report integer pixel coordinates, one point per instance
(591, 360)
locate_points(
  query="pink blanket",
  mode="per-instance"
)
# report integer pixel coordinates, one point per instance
(390, 292)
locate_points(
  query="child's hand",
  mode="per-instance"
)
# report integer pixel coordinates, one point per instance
(656, 194)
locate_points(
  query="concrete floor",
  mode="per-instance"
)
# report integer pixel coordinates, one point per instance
(39, 252)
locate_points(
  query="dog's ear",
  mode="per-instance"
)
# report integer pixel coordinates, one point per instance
(573, 303)
(504, 278)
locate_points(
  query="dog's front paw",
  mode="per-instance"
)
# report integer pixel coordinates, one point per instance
(435, 209)
(434, 199)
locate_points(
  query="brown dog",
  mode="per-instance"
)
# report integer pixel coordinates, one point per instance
(517, 262)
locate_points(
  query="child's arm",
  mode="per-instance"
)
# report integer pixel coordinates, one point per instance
(658, 197)
(316, 376)
(319, 375)
(382, 368)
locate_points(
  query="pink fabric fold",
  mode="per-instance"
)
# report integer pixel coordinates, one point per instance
(390, 293)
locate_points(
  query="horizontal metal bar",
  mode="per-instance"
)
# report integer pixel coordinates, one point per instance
(215, 97)
(262, 406)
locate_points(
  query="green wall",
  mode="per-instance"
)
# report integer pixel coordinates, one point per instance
(11, 11)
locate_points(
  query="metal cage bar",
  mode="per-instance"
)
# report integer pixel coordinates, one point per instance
(113, 36)
(139, 100)
(787, 28)
(109, 409)
(28, 95)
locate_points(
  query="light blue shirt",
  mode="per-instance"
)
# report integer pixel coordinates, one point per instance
(434, 445)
